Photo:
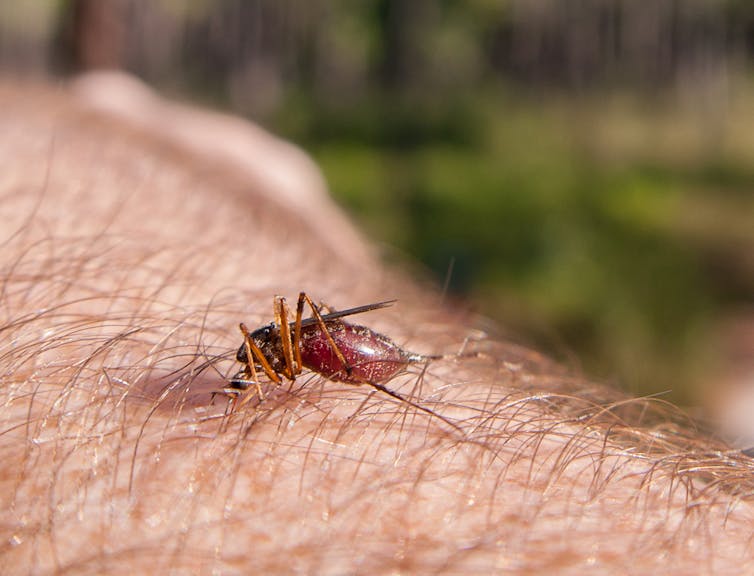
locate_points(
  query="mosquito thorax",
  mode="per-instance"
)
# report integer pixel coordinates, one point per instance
(264, 338)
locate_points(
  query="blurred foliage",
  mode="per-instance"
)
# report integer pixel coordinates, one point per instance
(623, 259)
(586, 165)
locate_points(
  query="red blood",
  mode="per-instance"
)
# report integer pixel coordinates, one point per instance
(372, 356)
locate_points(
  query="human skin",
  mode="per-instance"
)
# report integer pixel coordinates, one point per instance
(130, 254)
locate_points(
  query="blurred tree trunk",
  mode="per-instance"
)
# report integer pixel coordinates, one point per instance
(404, 27)
(97, 34)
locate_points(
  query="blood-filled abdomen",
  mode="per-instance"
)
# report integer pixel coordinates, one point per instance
(371, 356)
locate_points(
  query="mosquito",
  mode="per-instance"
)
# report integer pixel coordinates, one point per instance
(327, 345)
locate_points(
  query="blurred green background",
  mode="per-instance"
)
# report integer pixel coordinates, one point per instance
(585, 166)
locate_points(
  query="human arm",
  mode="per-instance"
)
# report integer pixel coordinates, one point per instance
(128, 260)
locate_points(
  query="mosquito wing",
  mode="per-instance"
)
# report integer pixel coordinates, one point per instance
(349, 312)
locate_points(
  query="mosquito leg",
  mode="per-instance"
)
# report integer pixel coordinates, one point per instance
(346, 365)
(249, 373)
(254, 354)
(281, 317)
(297, 332)
(413, 404)
(238, 404)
